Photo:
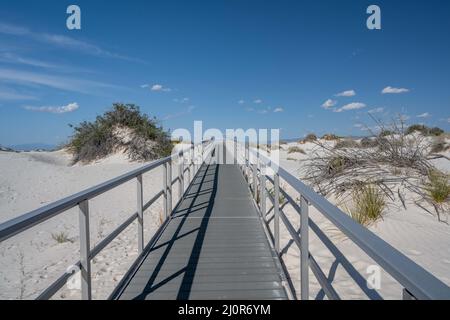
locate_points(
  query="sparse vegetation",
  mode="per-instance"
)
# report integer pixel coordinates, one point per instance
(369, 142)
(438, 186)
(439, 145)
(295, 149)
(310, 137)
(122, 128)
(424, 130)
(346, 144)
(399, 163)
(330, 137)
(61, 237)
(368, 204)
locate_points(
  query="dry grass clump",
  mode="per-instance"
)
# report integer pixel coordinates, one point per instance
(439, 145)
(346, 144)
(437, 187)
(424, 130)
(295, 149)
(61, 237)
(400, 162)
(368, 204)
(311, 137)
(369, 142)
(122, 128)
(330, 137)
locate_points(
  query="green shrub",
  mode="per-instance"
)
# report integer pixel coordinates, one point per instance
(61, 237)
(385, 133)
(438, 186)
(296, 149)
(98, 139)
(424, 130)
(368, 204)
(369, 142)
(346, 144)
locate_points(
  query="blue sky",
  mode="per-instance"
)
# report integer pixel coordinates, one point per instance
(232, 64)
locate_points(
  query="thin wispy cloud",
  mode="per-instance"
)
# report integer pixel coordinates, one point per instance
(279, 109)
(61, 41)
(348, 93)
(376, 110)
(9, 95)
(351, 106)
(57, 110)
(329, 104)
(424, 115)
(392, 90)
(187, 111)
(257, 101)
(57, 82)
(241, 101)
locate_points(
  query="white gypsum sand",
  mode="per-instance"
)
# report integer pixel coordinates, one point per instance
(31, 261)
(414, 232)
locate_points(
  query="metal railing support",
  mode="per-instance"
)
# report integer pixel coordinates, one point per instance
(181, 176)
(140, 211)
(276, 207)
(165, 191)
(262, 189)
(169, 187)
(85, 247)
(235, 151)
(304, 248)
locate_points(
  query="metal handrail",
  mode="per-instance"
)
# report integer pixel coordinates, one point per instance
(418, 283)
(26, 221)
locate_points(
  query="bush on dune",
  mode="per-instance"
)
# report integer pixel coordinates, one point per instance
(122, 128)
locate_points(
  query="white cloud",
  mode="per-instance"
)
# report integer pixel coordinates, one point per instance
(279, 109)
(12, 95)
(241, 101)
(59, 110)
(257, 101)
(56, 82)
(348, 93)
(424, 115)
(390, 89)
(159, 87)
(60, 41)
(329, 104)
(351, 106)
(144, 86)
(376, 110)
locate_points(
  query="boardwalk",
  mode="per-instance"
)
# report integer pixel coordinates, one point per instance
(214, 247)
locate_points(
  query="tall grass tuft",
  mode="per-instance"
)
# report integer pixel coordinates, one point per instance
(438, 186)
(368, 204)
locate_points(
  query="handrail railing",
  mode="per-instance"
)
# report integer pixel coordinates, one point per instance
(417, 282)
(24, 222)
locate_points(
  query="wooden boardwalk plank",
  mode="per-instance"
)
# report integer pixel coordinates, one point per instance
(214, 247)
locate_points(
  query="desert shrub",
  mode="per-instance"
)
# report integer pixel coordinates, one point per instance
(368, 204)
(439, 145)
(346, 144)
(281, 197)
(337, 164)
(438, 186)
(435, 131)
(330, 137)
(296, 149)
(424, 130)
(385, 133)
(369, 142)
(95, 140)
(61, 237)
(310, 137)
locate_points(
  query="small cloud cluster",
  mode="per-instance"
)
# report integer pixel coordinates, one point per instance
(351, 106)
(348, 93)
(392, 90)
(156, 88)
(58, 110)
(424, 115)
(329, 104)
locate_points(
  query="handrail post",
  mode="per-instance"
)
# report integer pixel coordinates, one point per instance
(140, 205)
(247, 160)
(181, 175)
(262, 197)
(169, 187)
(304, 250)
(85, 247)
(276, 208)
(235, 151)
(165, 191)
(255, 178)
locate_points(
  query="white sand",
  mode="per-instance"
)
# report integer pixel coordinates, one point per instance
(414, 232)
(30, 261)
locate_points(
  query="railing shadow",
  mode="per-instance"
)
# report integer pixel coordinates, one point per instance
(189, 269)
